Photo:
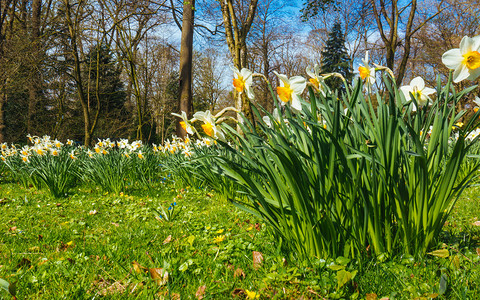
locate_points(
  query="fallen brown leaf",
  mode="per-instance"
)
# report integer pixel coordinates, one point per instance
(138, 267)
(478, 251)
(200, 292)
(115, 224)
(167, 240)
(371, 296)
(159, 275)
(238, 293)
(239, 273)
(257, 259)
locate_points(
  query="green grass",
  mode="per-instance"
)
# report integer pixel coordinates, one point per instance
(102, 245)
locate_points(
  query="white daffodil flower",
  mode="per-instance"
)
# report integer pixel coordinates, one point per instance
(290, 89)
(315, 78)
(477, 103)
(464, 60)
(366, 72)
(242, 81)
(184, 123)
(209, 126)
(419, 91)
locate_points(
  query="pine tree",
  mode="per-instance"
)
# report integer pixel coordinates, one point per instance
(336, 59)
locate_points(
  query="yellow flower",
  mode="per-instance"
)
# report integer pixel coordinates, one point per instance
(290, 89)
(367, 73)
(219, 239)
(184, 123)
(251, 294)
(316, 79)
(208, 128)
(242, 81)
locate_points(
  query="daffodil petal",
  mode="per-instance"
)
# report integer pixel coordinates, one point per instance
(406, 90)
(236, 72)
(310, 73)
(452, 58)
(246, 74)
(298, 84)
(466, 45)
(476, 43)
(460, 73)
(428, 91)
(418, 82)
(283, 79)
(296, 103)
(474, 74)
(477, 101)
(249, 91)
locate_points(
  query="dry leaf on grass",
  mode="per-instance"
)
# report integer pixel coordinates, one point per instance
(200, 292)
(238, 293)
(167, 240)
(239, 273)
(371, 296)
(138, 267)
(257, 259)
(159, 275)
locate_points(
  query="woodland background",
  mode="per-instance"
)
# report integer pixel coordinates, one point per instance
(89, 69)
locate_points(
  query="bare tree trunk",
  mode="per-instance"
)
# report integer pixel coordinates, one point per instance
(186, 55)
(236, 36)
(34, 80)
(3, 100)
(77, 71)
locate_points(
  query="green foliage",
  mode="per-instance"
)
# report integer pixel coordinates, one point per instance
(59, 173)
(97, 245)
(335, 59)
(312, 8)
(111, 170)
(356, 182)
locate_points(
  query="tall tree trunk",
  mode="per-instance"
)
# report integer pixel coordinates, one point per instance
(236, 33)
(186, 57)
(5, 10)
(77, 71)
(34, 80)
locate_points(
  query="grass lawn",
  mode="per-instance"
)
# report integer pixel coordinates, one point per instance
(97, 245)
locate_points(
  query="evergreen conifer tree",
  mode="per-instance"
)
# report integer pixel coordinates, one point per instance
(336, 59)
